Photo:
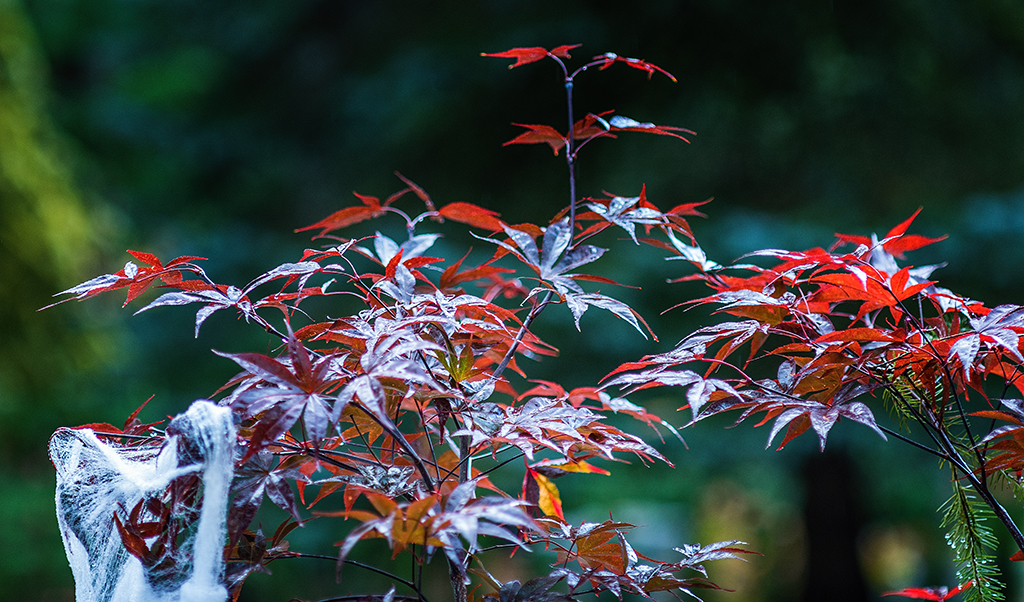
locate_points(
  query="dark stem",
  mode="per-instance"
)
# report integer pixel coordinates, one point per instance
(457, 575)
(921, 446)
(361, 565)
(570, 158)
(949, 378)
(979, 484)
(463, 458)
(426, 433)
(456, 570)
(519, 336)
(365, 597)
(504, 462)
(397, 435)
(1000, 512)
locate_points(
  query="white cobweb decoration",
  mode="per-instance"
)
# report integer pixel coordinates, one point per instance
(179, 490)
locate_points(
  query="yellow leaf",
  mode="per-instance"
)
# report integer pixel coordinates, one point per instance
(550, 502)
(574, 466)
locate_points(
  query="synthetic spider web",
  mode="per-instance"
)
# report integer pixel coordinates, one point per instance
(146, 522)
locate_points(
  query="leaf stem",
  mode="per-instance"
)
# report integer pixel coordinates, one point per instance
(400, 438)
(570, 158)
(519, 337)
(368, 567)
(916, 444)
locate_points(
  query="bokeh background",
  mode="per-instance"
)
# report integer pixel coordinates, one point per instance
(217, 128)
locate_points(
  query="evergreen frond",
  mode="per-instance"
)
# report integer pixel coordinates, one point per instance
(973, 544)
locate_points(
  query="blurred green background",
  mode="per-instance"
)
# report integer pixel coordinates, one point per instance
(216, 128)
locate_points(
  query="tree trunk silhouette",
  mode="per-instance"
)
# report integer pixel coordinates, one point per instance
(833, 518)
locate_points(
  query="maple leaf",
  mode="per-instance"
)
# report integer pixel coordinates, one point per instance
(822, 417)
(578, 304)
(598, 546)
(387, 249)
(392, 481)
(999, 329)
(537, 589)
(135, 278)
(548, 262)
(452, 277)
(610, 563)
(214, 298)
(701, 389)
(554, 259)
(609, 58)
(627, 213)
(253, 552)
(424, 521)
(577, 397)
(525, 56)
(1008, 440)
(591, 126)
(473, 215)
(401, 263)
(538, 423)
(342, 218)
(896, 242)
(296, 389)
(468, 517)
(540, 491)
(621, 123)
(695, 555)
(539, 134)
(930, 593)
(218, 297)
(261, 476)
(300, 272)
(692, 254)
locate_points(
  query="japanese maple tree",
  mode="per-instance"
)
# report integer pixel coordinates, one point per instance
(400, 411)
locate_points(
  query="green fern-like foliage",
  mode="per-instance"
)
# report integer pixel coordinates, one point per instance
(908, 398)
(973, 544)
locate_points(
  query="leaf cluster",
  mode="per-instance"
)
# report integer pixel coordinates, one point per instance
(392, 416)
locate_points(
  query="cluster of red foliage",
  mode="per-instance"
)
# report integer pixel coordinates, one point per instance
(402, 410)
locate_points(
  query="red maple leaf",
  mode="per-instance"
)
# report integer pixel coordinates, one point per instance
(525, 56)
(930, 593)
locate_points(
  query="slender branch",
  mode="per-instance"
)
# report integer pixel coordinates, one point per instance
(457, 576)
(949, 377)
(979, 484)
(361, 565)
(419, 572)
(364, 597)
(981, 488)
(366, 442)
(464, 460)
(916, 444)
(324, 459)
(504, 462)
(570, 159)
(426, 433)
(935, 431)
(519, 337)
(400, 438)
(1001, 514)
